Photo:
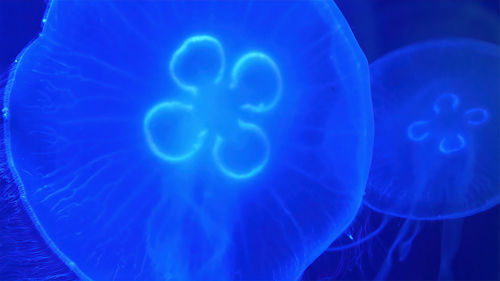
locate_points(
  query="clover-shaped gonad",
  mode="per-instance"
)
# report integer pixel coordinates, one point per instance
(448, 124)
(177, 129)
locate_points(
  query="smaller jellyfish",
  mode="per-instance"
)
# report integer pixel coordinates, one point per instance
(436, 152)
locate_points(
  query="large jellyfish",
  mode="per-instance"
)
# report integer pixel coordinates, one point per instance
(190, 140)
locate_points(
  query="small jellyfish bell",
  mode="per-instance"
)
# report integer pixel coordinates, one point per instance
(190, 139)
(436, 153)
(436, 148)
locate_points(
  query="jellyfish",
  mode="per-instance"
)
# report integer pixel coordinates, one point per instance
(190, 140)
(436, 112)
(408, 184)
(436, 153)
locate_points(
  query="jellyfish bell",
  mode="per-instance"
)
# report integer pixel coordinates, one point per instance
(190, 140)
(436, 152)
(436, 145)
(435, 149)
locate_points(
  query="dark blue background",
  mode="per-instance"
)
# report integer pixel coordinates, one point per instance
(380, 27)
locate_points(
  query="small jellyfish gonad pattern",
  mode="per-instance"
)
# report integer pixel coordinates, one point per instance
(451, 139)
(203, 88)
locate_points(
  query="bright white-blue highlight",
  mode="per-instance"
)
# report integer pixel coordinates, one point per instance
(153, 143)
(255, 167)
(193, 44)
(211, 109)
(258, 60)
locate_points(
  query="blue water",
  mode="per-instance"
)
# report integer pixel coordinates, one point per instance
(469, 247)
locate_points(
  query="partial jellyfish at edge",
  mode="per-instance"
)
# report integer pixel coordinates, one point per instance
(190, 140)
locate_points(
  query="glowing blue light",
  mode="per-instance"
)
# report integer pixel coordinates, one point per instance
(436, 152)
(447, 105)
(153, 144)
(190, 46)
(246, 62)
(452, 144)
(256, 167)
(476, 116)
(418, 130)
(240, 69)
(446, 102)
(190, 140)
